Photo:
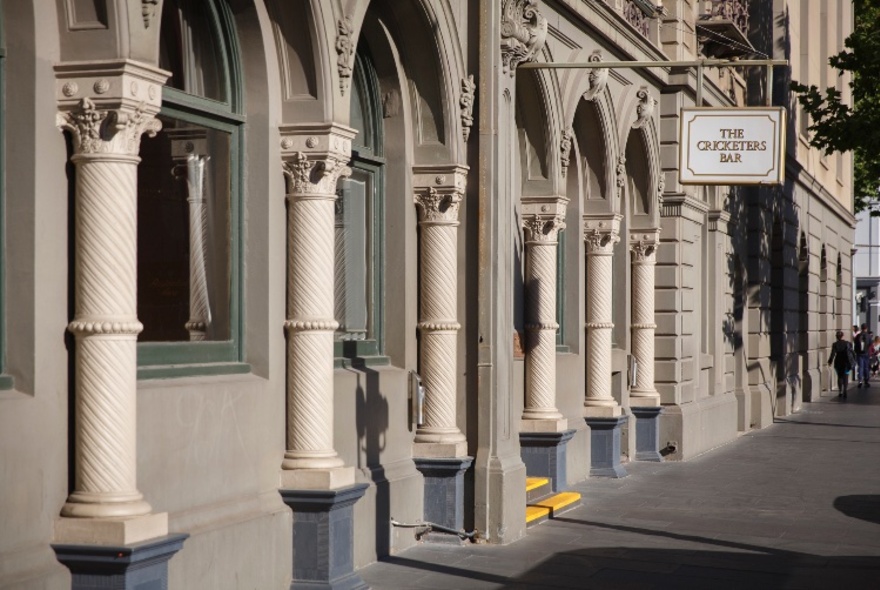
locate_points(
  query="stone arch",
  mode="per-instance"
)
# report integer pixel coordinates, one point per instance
(637, 123)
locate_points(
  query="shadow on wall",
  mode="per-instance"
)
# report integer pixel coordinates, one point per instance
(372, 426)
(862, 507)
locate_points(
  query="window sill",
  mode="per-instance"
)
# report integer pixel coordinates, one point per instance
(6, 382)
(207, 369)
(360, 362)
(563, 349)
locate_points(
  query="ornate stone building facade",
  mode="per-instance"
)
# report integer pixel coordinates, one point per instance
(276, 273)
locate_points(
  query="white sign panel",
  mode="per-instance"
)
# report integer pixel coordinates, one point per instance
(732, 145)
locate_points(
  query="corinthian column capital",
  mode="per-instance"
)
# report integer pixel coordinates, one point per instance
(107, 106)
(601, 233)
(315, 157)
(643, 245)
(543, 218)
(439, 191)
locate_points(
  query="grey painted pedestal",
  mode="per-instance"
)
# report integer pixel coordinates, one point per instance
(544, 455)
(444, 494)
(605, 446)
(647, 434)
(323, 538)
(140, 566)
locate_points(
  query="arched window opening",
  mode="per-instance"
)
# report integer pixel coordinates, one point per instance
(189, 195)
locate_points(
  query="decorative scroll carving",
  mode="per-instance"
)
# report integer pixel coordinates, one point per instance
(645, 108)
(107, 131)
(148, 11)
(344, 52)
(565, 149)
(523, 33)
(466, 102)
(598, 78)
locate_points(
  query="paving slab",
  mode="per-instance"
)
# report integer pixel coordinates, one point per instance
(796, 505)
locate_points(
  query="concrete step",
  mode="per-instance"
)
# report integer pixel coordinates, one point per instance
(551, 507)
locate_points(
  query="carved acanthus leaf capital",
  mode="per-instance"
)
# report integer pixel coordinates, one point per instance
(643, 246)
(438, 207)
(108, 131)
(600, 235)
(598, 78)
(543, 229)
(313, 177)
(523, 33)
(315, 156)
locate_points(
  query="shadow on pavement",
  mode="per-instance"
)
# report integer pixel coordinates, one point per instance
(861, 507)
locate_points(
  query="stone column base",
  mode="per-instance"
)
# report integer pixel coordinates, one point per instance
(444, 494)
(647, 433)
(120, 567)
(605, 446)
(323, 538)
(544, 455)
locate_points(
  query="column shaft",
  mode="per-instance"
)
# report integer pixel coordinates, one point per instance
(643, 326)
(199, 304)
(438, 324)
(600, 247)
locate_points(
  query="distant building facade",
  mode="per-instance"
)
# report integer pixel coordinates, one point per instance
(296, 269)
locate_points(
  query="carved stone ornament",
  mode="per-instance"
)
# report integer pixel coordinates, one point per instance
(543, 228)
(523, 33)
(435, 206)
(621, 174)
(148, 11)
(643, 246)
(466, 102)
(598, 78)
(344, 52)
(565, 149)
(107, 131)
(645, 108)
(308, 177)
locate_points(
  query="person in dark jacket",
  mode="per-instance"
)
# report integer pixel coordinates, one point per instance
(860, 346)
(842, 357)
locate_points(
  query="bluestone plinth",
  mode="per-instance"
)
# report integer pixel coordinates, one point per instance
(647, 434)
(444, 494)
(139, 566)
(323, 538)
(544, 454)
(605, 446)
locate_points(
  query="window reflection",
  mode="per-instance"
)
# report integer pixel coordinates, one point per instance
(184, 186)
(189, 50)
(353, 204)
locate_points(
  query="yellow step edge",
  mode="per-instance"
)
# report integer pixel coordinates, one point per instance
(548, 506)
(536, 512)
(533, 483)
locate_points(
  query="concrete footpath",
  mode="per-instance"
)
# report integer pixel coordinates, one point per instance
(796, 505)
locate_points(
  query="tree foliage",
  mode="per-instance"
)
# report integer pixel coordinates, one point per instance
(838, 127)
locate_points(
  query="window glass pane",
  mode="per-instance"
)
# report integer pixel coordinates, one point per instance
(189, 49)
(353, 258)
(184, 185)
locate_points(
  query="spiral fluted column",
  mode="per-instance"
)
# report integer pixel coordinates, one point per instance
(438, 197)
(314, 158)
(600, 236)
(106, 129)
(541, 234)
(643, 246)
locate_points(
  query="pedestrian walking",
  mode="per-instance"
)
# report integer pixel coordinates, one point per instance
(874, 355)
(843, 359)
(860, 346)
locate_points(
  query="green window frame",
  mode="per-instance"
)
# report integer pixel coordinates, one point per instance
(561, 346)
(6, 381)
(183, 358)
(367, 162)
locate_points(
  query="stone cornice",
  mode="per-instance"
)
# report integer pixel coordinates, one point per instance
(683, 205)
(719, 220)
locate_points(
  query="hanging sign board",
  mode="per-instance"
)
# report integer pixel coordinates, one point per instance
(732, 146)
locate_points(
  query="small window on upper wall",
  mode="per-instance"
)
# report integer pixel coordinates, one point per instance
(189, 196)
